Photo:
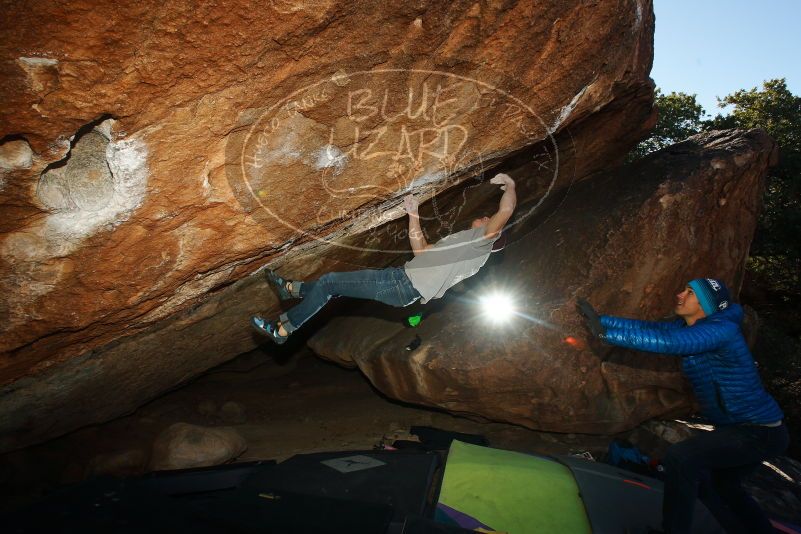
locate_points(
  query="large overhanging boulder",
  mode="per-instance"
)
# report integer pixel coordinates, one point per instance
(153, 155)
(627, 240)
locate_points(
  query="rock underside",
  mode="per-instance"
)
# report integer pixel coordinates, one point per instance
(154, 156)
(628, 240)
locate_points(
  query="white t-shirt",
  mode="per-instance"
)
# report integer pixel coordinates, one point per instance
(452, 259)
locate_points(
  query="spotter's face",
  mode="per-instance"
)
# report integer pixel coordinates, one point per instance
(687, 304)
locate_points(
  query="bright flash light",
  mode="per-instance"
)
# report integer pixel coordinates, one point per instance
(498, 307)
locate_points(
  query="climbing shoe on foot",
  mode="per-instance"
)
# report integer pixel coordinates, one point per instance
(267, 328)
(280, 285)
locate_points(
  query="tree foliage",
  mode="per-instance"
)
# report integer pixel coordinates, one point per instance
(680, 116)
(776, 251)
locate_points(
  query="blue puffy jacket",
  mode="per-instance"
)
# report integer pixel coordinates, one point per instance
(716, 359)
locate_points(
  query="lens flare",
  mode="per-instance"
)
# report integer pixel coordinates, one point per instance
(498, 307)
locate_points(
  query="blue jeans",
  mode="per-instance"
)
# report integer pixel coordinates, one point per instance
(711, 466)
(390, 286)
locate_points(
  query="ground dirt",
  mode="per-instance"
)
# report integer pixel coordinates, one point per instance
(299, 406)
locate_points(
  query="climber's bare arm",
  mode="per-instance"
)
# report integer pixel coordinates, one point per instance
(416, 237)
(506, 207)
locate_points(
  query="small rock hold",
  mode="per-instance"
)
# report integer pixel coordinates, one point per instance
(84, 183)
(15, 154)
(340, 78)
(233, 412)
(669, 431)
(207, 408)
(182, 446)
(666, 200)
(119, 464)
(743, 158)
(718, 164)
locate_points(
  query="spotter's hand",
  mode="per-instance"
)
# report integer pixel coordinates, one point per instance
(593, 320)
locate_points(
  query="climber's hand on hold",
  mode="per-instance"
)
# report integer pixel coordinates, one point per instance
(504, 180)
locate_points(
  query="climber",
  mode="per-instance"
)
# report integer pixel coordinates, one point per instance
(433, 270)
(748, 423)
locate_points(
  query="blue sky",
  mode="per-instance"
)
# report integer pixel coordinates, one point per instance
(714, 47)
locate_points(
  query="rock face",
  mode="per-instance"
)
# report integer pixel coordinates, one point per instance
(153, 155)
(182, 446)
(628, 240)
(124, 463)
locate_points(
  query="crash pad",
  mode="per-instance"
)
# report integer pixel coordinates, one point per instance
(494, 490)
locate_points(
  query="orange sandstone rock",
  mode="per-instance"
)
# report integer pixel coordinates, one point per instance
(153, 155)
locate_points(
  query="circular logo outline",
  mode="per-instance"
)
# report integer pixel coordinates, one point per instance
(340, 74)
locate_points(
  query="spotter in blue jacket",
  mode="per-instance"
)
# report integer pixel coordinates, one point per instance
(716, 360)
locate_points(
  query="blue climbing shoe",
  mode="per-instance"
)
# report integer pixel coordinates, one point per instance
(280, 285)
(267, 328)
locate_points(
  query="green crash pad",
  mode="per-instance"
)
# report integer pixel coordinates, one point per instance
(489, 489)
